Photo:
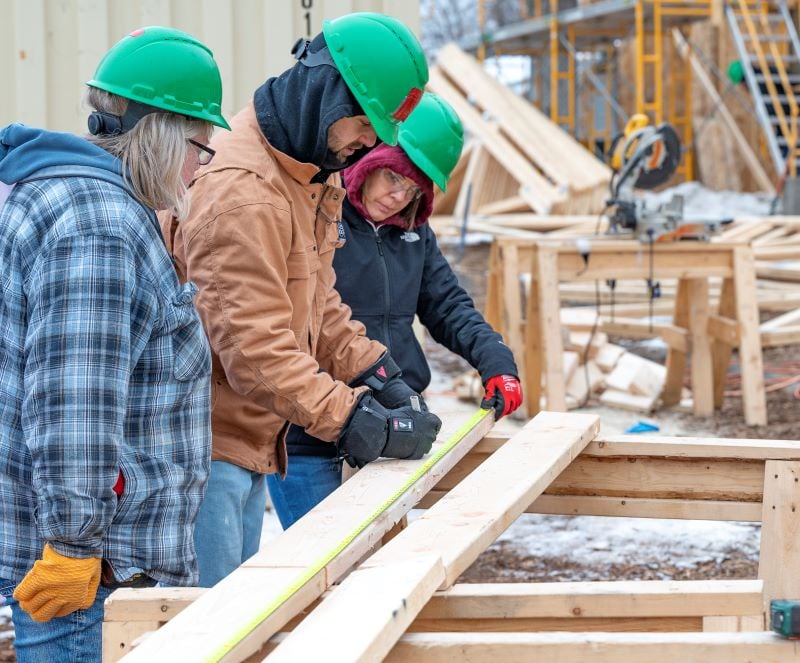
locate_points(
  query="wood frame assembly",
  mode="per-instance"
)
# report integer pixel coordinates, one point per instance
(706, 336)
(406, 602)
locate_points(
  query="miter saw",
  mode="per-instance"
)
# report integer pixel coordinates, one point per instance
(644, 157)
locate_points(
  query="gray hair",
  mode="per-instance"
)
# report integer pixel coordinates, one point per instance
(152, 153)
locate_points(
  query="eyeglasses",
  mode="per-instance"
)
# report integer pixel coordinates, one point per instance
(204, 153)
(396, 184)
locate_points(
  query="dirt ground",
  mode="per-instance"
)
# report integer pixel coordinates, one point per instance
(505, 563)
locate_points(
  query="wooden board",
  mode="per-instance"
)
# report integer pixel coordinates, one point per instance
(237, 605)
(594, 647)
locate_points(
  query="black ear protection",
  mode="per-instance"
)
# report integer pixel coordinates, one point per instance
(104, 124)
(107, 124)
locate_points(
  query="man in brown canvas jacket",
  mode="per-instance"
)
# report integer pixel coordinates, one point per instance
(259, 243)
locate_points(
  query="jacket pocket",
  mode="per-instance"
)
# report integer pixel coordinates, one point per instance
(191, 355)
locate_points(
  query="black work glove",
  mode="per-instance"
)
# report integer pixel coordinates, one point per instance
(388, 388)
(374, 431)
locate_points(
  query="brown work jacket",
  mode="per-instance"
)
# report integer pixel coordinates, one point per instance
(259, 244)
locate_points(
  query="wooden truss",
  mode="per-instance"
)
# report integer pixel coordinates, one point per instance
(402, 602)
(518, 160)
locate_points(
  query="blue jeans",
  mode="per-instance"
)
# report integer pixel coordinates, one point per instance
(76, 638)
(310, 480)
(228, 528)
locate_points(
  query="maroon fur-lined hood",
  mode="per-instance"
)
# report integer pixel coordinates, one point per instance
(386, 156)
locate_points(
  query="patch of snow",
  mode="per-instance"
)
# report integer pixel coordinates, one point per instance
(597, 540)
(702, 204)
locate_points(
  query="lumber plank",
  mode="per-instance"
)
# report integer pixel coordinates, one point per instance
(783, 336)
(644, 476)
(676, 360)
(535, 189)
(595, 647)
(670, 446)
(537, 136)
(702, 369)
(138, 605)
(545, 624)
(751, 364)
(458, 529)
(621, 598)
(217, 620)
(633, 507)
(779, 560)
(546, 270)
(788, 318)
(721, 348)
(403, 587)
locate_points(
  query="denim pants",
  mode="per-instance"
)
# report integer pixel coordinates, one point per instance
(310, 480)
(76, 638)
(228, 528)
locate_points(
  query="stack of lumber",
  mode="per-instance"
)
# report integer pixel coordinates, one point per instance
(517, 159)
(593, 369)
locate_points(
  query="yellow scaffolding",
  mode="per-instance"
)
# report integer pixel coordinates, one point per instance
(650, 19)
(557, 75)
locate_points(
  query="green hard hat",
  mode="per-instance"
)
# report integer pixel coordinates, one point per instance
(432, 137)
(164, 68)
(382, 63)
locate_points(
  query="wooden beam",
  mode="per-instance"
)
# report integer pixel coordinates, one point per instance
(633, 507)
(645, 477)
(622, 598)
(779, 561)
(671, 446)
(595, 647)
(241, 608)
(403, 587)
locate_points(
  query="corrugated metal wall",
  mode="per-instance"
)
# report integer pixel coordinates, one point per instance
(49, 48)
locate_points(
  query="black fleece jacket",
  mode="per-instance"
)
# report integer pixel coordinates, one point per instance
(387, 276)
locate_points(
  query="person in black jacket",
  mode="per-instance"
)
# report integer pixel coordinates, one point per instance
(391, 269)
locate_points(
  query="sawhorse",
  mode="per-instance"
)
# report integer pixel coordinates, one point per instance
(704, 337)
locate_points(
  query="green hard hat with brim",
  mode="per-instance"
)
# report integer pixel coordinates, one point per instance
(164, 68)
(383, 65)
(432, 137)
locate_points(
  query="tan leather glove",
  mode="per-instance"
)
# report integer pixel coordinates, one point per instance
(58, 585)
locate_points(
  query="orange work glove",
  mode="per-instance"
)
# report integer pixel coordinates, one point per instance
(58, 585)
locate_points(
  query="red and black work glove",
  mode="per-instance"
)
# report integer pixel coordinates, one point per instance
(503, 395)
(374, 431)
(388, 388)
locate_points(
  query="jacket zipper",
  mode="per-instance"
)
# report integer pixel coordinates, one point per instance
(386, 302)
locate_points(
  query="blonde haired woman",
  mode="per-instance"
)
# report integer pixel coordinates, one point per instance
(104, 377)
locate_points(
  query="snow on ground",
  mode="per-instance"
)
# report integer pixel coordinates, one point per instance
(588, 540)
(702, 204)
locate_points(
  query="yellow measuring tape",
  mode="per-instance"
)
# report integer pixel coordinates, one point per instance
(327, 557)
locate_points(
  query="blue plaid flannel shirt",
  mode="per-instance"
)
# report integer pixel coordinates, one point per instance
(104, 367)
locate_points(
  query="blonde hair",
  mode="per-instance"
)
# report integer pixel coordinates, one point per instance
(152, 153)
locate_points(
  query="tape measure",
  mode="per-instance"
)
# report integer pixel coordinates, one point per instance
(329, 556)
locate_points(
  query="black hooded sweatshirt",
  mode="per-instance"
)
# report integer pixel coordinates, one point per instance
(296, 109)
